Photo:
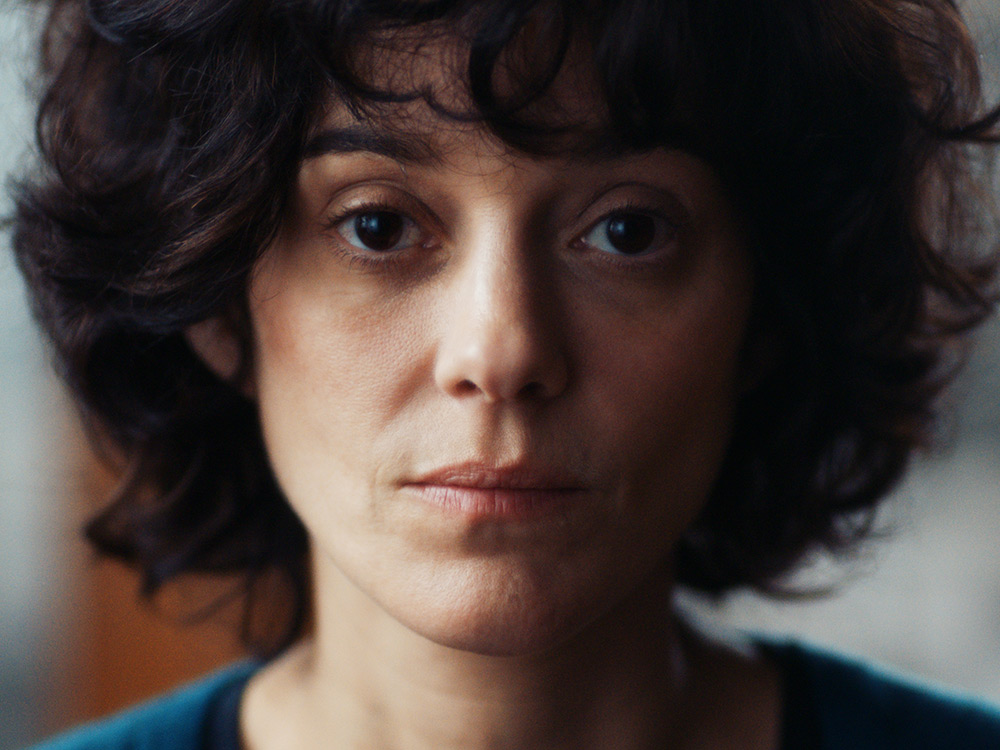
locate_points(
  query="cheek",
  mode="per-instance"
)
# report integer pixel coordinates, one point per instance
(328, 377)
(317, 349)
(664, 392)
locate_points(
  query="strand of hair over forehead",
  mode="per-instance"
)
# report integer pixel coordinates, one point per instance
(627, 37)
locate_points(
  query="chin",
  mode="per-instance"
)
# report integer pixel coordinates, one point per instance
(500, 637)
(520, 617)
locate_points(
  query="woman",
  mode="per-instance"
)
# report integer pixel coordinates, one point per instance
(482, 326)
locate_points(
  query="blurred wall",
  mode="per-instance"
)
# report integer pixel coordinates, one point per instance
(33, 516)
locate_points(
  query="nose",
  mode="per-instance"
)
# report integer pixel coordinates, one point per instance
(500, 339)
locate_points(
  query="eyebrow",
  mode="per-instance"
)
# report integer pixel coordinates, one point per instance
(413, 149)
(361, 139)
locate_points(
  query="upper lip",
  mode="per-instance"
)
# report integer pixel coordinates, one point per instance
(519, 476)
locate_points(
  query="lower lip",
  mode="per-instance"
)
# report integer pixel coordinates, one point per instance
(497, 503)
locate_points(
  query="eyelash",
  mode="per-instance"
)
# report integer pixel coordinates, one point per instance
(370, 260)
(392, 259)
(635, 208)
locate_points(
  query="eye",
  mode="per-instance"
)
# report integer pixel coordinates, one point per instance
(379, 231)
(630, 233)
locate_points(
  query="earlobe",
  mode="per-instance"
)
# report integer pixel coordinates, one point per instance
(219, 346)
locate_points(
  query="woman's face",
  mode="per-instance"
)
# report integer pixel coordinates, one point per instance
(497, 388)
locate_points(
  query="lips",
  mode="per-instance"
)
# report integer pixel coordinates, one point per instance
(511, 492)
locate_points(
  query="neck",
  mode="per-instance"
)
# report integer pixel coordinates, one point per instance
(365, 680)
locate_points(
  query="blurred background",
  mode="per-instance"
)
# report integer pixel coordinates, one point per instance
(74, 644)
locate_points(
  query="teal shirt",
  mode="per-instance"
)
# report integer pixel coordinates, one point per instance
(830, 703)
(835, 703)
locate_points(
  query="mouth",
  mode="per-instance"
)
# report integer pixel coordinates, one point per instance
(510, 492)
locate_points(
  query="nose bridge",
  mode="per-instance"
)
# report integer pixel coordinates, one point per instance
(501, 294)
(498, 340)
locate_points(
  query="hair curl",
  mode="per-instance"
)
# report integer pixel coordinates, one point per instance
(170, 134)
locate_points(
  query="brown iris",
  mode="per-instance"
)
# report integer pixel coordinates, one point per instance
(631, 233)
(379, 230)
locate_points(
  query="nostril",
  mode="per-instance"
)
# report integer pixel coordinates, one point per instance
(531, 390)
(501, 358)
(466, 386)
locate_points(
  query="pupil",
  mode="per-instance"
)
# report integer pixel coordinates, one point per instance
(631, 233)
(379, 230)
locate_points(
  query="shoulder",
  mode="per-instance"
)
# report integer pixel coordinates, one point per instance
(853, 704)
(174, 721)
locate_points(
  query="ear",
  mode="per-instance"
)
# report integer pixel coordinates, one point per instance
(221, 348)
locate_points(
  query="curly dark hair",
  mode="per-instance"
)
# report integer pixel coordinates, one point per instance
(170, 134)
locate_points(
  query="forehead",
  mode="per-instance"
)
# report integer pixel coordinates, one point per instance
(428, 93)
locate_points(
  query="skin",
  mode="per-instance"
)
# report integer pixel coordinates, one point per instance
(502, 329)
